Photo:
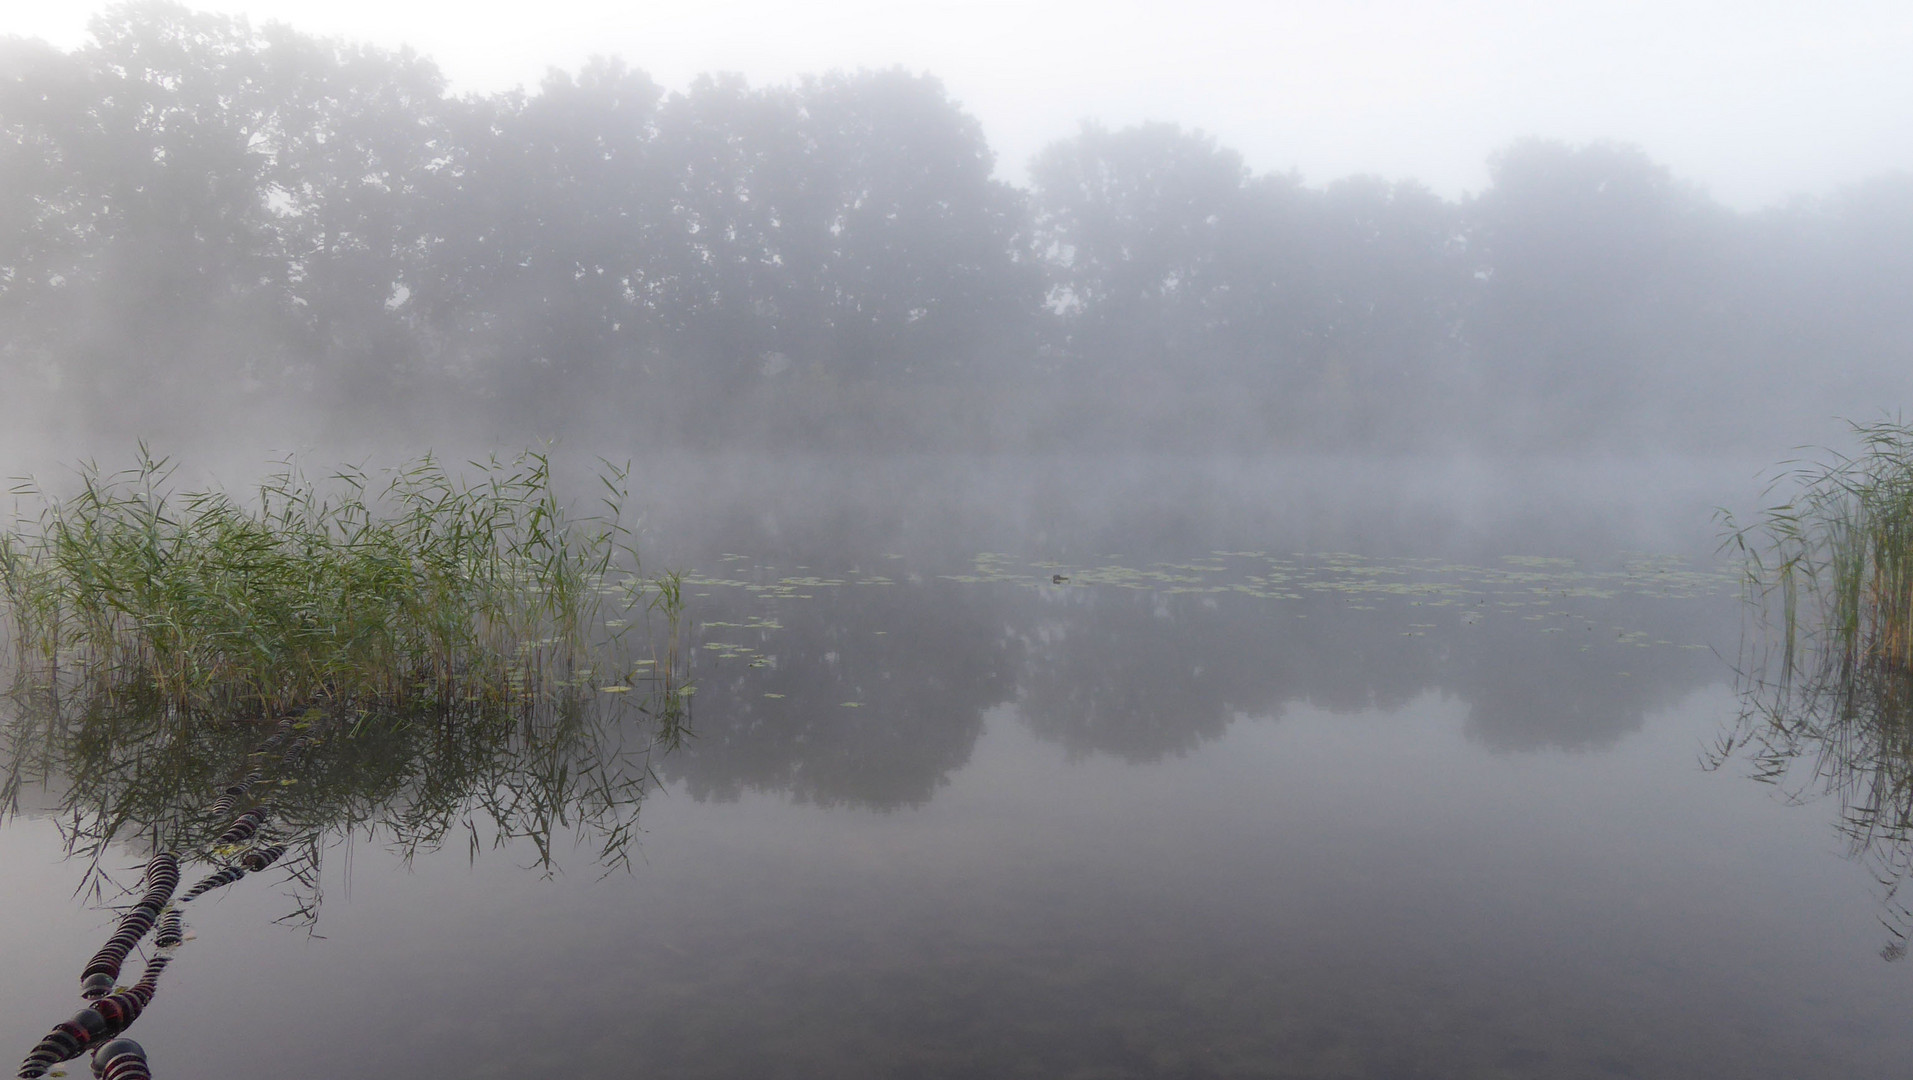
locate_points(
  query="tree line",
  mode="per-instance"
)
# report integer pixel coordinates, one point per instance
(200, 219)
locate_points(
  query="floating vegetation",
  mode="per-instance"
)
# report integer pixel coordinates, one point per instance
(418, 583)
(1518, 581)
(775, 637)
(1827, 665)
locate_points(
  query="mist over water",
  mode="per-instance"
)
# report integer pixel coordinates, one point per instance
(216, 231)
(1159, 619)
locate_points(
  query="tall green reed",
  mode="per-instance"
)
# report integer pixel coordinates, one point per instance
(415, 584)
(1826, 678)
(1832, 564)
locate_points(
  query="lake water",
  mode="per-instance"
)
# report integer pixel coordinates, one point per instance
(1121, 769)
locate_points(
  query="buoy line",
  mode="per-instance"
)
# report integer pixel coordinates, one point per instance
(111, 1009)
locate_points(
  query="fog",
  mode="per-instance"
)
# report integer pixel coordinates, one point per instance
(1756, 103)
(1203, 559)
(251, 238)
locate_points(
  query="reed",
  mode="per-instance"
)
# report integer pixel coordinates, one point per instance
(1832, 564)
(1826, 674)
(383, 591)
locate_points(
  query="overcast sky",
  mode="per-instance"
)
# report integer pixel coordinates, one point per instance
(1754, 100)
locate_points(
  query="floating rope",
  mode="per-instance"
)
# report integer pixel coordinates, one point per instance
(171, 930)
(244, 826)
(213, 881)
(231, 795)
(121, 1059)
(97, 1023)
(261, 857)
(112, 1011)
(161, 878)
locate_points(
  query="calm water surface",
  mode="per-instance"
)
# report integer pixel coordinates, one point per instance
(1436, 800)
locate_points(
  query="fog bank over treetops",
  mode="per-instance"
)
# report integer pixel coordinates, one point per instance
(203, 223)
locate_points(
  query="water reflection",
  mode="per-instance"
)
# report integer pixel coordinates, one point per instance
(115, 764)
(842, 690)
(1840, 731)
(1320, 871)
(869, 685)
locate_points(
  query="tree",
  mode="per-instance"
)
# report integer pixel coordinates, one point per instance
(1595, 262)
(553, 233)
(149, 260)
(1130, 224)
(359, 159)
(848, 224)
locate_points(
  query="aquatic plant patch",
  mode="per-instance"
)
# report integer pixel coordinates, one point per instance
(1831, 563)
(418, 582)
(1826, 672)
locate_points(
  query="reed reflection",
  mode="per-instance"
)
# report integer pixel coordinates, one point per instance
(120, 765)
(229, 687)
(1844, 732)
(411, 654)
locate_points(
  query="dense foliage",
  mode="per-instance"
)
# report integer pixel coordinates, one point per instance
(201, 218)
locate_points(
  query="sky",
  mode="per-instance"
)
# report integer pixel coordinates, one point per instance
(1753, 100)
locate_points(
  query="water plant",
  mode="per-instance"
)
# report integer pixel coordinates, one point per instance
(420, 582)
(1826, 677)
(1835, 558)
(431, 651)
